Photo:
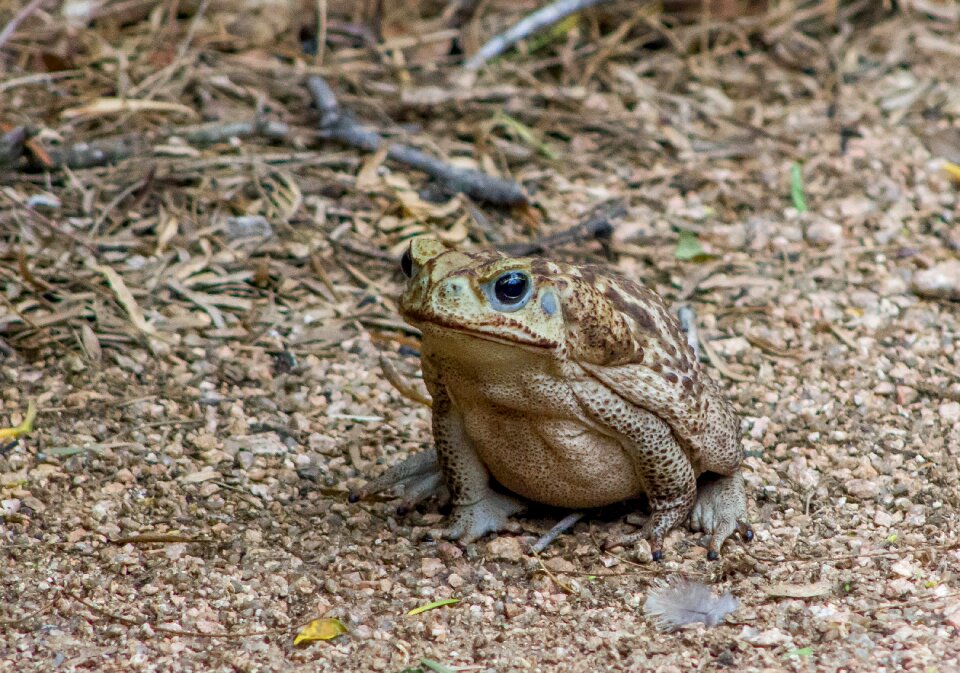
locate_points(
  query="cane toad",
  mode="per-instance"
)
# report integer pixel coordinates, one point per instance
(570, 387)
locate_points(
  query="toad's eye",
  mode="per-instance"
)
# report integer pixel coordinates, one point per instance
(406, 264)
(510, 291)
(511, 287)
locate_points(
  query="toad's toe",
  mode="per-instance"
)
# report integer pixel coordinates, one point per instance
(419, 475)
(490, 515)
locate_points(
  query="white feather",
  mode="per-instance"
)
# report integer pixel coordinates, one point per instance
(676, 603)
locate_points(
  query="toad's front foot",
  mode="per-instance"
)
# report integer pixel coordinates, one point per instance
(490, 515)
(721, 510)
(419, 475)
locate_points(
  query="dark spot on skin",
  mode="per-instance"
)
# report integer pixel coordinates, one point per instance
(656, 367)
(540, 267)
(671, 377)
(688, 383)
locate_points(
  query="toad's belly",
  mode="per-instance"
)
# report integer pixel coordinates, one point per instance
(557, 462)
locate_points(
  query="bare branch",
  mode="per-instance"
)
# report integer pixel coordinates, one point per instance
(597, 226)
(11, 146)
(530, 24)
(15, 22)
(339, 126)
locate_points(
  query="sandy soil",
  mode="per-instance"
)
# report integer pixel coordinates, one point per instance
(182, 504)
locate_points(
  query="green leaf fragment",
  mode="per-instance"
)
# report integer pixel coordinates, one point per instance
(433, 605)
(689, 248)
(557, 32)
(796, 188)
(525, 134)
(25, 428)
(435, 666)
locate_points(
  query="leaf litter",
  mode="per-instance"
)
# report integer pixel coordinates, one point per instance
(150, 330)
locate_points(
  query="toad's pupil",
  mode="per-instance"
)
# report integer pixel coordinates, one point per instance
(511, 286)
(406, 264)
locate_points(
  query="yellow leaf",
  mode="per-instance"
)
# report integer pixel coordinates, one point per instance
(25, 427)
(320, 629)
(433, 605)
(953, 169)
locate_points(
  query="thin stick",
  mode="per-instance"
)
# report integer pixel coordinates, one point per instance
(18, 18)
(11, 146)
(563, 585)
(321, 31)
(562, 526)
(533, 23)
(597, 226)
(29, 615)
(401, 385)
(688, 323)
(336, 125)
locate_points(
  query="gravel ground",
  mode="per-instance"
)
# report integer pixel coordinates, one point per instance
(182, 503)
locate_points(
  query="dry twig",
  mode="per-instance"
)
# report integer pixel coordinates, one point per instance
(18, 18)
(337, 125)
(596, 227)
(561, 527)
(546, 16)
(11, 146)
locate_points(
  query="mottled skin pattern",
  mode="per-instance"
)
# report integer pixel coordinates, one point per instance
(586, 395)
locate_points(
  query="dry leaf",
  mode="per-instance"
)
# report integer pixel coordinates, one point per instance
(91, 344)
(457, 233)
(125, 297)
(799, 590)
(199, 477)
(368, 179)
(169, 225)
(109, 106)
(320, 629)
(417, 207)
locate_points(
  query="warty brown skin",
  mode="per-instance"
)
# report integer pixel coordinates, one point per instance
(582, 394)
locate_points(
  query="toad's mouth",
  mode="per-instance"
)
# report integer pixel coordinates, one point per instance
(505, 332)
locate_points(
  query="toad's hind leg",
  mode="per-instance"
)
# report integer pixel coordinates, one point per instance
(662, 466)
